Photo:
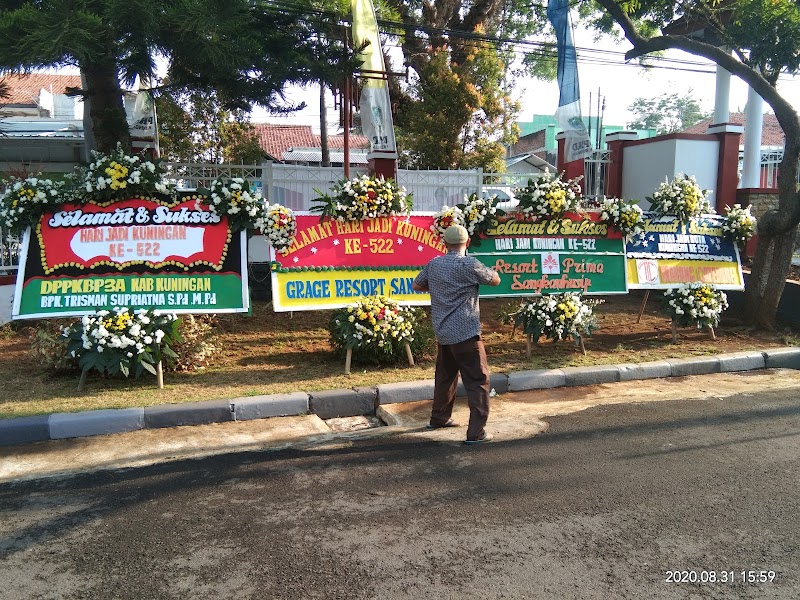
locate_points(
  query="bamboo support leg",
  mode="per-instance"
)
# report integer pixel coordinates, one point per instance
(82, 382)
(409, 355)
(674, 333)
(644, 302)
(711, 332)
(528, 344)
(347, 361)
(583, 348)
(160, 375)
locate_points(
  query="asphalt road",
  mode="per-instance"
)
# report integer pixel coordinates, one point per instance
(678, 499)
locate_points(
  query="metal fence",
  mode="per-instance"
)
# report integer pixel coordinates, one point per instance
(9, 253)
(595, 169)
(297, 186)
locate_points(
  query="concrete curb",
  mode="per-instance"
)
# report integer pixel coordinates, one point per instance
(366, 400)
(269, 405)
(95, 422)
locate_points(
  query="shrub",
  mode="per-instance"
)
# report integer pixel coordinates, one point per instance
(198, 343)
(49, 347)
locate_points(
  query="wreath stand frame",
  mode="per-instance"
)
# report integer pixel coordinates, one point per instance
(349, 358)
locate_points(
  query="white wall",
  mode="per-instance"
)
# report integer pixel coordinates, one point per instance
(645, 166)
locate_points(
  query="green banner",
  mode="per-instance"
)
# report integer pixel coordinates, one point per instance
(197, 292)
(577, 253)
(553, 273)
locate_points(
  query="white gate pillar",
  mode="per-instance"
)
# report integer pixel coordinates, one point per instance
(754, 120)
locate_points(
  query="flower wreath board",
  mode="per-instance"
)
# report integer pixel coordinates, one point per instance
(577, 252)
(671, 252)
(140, 252)
(333, 263)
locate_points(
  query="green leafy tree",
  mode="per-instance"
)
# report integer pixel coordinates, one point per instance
(459, 92)
(669, 113)
(458, 118)
(196, 128)
(244, 51)
(755, 40)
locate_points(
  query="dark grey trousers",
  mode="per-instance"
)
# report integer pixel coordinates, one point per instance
(469, 359)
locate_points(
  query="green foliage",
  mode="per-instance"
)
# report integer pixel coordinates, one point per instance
(457, 117)
(363, 197)
(195, 345)
(192, 348)
(771, 31)
(554, 317)
(195, 127)
(122, 341)
(668, 114)
(233, 199)
(697, 304)
(243, 51)
(24, 201)
(49, 346)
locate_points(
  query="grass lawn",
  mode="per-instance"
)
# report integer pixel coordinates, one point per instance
(270, 352)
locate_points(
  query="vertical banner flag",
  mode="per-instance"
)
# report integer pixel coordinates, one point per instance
(376, 110)
(568, 114)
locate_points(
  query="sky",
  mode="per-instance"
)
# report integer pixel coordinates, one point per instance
(602, 71)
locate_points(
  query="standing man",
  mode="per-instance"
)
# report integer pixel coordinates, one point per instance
(453, 281)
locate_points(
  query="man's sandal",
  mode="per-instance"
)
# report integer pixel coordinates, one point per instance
(449, 423)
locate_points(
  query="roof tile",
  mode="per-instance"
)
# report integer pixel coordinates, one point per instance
(276, 139)
(25, 88)
(771, 132)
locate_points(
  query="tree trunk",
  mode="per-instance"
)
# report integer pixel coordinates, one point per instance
(777, 230)
(768, 278)
(107, 112)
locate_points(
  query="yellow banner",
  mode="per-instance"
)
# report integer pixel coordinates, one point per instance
(315, 290)
(664, 273)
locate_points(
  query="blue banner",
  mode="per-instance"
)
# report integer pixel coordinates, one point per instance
(568, 115)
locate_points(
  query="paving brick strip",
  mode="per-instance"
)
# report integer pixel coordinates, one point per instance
(366, 400)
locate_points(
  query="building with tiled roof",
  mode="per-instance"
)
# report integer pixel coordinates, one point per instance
(771, 133)
(299, 144)
(31, 94)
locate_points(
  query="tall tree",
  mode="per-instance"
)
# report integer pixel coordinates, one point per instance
(458, 118)
(243, 50)
(755, 40)
(444, 43)
(195, 127)
(669, 113)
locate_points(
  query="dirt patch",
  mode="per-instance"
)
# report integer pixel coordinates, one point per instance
(268, 352)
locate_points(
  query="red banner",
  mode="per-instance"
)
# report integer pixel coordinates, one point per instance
(134, 231)
(380, 242)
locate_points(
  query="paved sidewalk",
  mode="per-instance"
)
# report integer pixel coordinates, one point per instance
(517, 412)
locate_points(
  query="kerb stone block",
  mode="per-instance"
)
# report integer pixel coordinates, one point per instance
(741, 361)
(696, 365)
(331, 404)
(269, 405)
(536, 379)
(593, 375)
(95, 422)
(24, 430)
(191, 413)
(405, 391)
(648, 370)
(782, 358)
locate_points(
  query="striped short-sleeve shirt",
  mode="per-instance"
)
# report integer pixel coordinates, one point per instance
(453, 281)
